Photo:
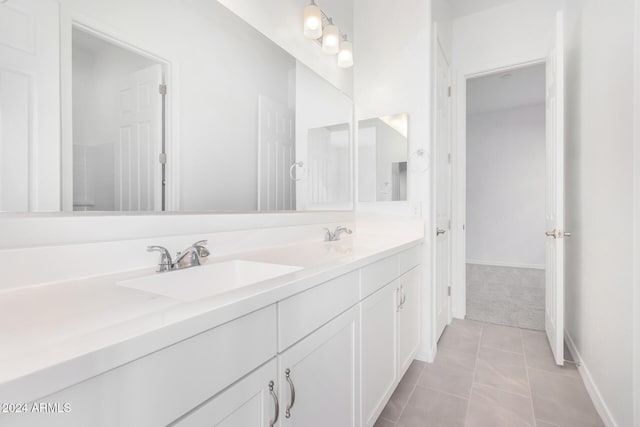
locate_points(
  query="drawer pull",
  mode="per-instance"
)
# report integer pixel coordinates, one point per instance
(275, 403)
(287, 375)
(404, 297)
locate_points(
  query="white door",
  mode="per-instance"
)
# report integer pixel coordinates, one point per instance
(251, 402)
(554, 307)
(443, 194)
(138, 173)
(319, 377)
(276, 156)
(408, 319)
(29, 106)
(379, 350)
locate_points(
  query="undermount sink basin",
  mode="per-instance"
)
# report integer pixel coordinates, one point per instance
(203, 281)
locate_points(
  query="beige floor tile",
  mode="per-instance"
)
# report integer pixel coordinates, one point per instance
(562, 400)
(538, 354)
(383, 423)
(503, 370)
(433, 409)
(502, 337)
(544, 424)
(490, 407)
(401, 395)
(461, 335)
(452, 372)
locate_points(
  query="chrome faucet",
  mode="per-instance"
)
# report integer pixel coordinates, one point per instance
(189, 257)
(332, 237)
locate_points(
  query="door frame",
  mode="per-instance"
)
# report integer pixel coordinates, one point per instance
(70, 20)
(459, 177)
(636, 207)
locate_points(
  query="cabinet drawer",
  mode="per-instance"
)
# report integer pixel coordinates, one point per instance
(409, 259)
(305, 312)
(157, 389)
(250, 402)
(378, 274)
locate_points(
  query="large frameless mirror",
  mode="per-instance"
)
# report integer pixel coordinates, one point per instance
(207, 115)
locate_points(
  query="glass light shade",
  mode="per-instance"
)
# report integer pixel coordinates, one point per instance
(312, 22)
(345, 56)
(331, 39)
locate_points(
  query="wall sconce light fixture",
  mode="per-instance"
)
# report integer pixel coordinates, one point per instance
(319, 27)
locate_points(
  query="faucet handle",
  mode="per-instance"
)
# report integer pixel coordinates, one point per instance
(200, 247)
(165, 257)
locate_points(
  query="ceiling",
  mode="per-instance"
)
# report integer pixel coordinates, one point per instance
(517, 88)
(467, 7)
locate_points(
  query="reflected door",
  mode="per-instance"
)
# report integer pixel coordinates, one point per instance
(29, 89)
(276, 156)
(137, 174)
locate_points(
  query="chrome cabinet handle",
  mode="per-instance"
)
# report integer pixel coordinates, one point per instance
(440, 231)
(275, 403)
(291, 177)
(287, 375)
(403, 298)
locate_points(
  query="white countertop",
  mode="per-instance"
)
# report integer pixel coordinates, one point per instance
(57, 335)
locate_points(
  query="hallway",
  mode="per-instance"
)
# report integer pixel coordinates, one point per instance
(488, 375)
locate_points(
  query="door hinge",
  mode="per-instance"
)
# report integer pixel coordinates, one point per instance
(449, 91)
(162, 158)
(163, 89)
(449, 290)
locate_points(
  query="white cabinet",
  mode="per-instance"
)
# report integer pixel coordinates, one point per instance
(390, 340)
(251, 402)
(319, 376)
(379, 351)
(332, 355)
(408, 318)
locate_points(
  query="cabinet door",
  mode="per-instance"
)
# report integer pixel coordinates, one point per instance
(250, 402)
(408, 318)
(379, 351)
(319, 376)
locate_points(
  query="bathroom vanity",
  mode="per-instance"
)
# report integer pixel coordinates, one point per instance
(322, 344)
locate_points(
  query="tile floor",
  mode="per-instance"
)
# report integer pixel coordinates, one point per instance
(506, 295)
(489, 375)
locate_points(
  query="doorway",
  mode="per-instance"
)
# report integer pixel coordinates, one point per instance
(505, 198)
(118, 118)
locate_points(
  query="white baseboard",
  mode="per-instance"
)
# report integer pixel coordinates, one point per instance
(590, 385)
(427, 355)
(505, 264)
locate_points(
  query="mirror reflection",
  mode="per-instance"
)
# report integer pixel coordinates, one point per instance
(218, 119)
(383, 153)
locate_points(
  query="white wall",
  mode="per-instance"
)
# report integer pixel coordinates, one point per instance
(506, 187)
(517, 32)
(599, 255)
(392, 75)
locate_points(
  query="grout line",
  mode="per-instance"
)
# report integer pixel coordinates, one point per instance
(475, 367)
(500, 390)
(526, 369)
(413, 389)
(448, 393)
